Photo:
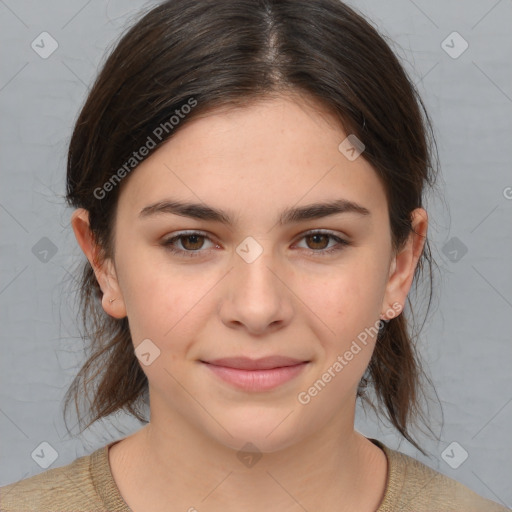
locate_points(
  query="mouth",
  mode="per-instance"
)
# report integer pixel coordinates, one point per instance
(256, 374)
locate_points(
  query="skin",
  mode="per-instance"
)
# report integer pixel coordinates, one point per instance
(255, 162)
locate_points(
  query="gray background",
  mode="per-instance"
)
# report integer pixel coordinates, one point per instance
(467, 342)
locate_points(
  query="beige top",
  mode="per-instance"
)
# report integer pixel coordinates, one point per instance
(87, 485)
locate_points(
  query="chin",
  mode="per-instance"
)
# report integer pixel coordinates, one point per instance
(265, 431)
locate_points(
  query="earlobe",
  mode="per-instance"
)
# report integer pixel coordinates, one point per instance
(104, 270)
(404, 263)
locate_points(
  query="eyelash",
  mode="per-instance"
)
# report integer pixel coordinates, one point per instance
(168, 244)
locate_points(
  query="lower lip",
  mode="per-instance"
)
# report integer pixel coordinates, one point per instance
(257, 380)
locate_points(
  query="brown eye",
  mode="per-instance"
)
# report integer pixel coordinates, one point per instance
(192, 242)
(319, 241)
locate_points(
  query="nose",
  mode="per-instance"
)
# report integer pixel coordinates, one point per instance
(257, 296)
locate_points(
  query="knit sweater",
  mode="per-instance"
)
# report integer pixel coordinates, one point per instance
(87, 485)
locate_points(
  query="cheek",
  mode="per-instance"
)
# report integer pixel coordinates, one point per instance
(347, 306)
(155, 300)
(349, 296)
(167, 303)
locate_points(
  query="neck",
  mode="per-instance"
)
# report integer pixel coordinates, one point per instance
(335, 469)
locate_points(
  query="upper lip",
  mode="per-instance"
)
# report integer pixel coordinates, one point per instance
(265, 363)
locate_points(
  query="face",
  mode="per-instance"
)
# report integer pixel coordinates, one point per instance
(305, 290)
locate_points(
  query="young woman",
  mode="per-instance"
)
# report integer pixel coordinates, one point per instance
(248, 179)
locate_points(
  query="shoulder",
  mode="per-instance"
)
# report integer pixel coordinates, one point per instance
(414, 487)
(65, 488)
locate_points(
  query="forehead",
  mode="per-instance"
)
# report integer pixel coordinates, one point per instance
(261, 158)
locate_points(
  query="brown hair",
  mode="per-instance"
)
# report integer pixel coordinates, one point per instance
(229, 53)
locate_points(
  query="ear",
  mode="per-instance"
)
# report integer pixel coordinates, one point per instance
(104, 269)
(403, 264)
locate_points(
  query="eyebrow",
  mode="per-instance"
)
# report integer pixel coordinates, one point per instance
(288, 216)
